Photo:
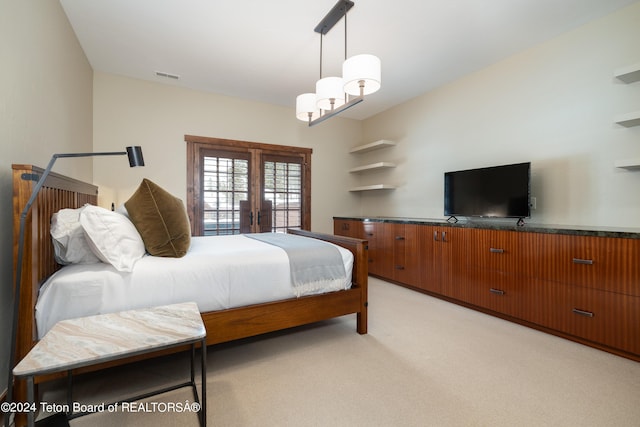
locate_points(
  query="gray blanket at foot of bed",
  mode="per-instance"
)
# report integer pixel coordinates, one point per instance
(310, 260)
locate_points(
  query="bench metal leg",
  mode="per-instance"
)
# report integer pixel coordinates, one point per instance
(203, 371)
(31, 398)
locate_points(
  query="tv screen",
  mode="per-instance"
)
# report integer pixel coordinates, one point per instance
(495, 192)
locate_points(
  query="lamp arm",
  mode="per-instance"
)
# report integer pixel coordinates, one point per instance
(47, 171)
(107, 153)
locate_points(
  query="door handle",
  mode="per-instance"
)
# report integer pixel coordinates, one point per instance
(258, 217)
(250, 218)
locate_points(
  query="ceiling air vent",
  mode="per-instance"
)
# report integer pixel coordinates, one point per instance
(167, 75)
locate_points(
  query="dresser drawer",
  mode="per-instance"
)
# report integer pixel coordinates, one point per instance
(494, 290)
(506, 251)
(348, 228)
(599, 316)
(610, 264)
(380, 250)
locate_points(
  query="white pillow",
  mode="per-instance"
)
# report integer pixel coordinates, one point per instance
(122, 209)
(112, 236)
(69, 242)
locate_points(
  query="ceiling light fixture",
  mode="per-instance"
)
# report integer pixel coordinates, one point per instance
(360, 77)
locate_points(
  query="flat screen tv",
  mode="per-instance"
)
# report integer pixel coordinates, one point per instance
(492, 192)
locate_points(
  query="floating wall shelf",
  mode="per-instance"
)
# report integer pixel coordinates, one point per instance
(628, 74)
(373, 166)
(631, 164)
(383, 143)
(629, 120)
(373, 187)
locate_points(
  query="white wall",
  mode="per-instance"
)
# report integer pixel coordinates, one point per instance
(157, 116)
(45, 108)
(552, 105)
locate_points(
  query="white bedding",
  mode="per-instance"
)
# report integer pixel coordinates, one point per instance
(218, 272)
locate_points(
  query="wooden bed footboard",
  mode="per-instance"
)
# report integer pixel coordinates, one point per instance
(62, 192)
(242, 322)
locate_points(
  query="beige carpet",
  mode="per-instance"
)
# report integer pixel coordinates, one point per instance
(425, 362)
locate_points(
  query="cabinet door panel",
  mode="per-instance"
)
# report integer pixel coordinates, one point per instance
(452, 253)
(467, 289)
(429, 260)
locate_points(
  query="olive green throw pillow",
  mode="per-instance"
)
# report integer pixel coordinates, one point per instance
(161, 220)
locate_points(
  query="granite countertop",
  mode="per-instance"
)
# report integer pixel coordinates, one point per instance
(509, 225)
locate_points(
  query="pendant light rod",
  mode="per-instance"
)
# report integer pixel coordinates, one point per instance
(339, 10)
(345, 35)
(321, 36)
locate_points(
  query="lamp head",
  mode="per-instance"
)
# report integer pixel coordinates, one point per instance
(135, 156)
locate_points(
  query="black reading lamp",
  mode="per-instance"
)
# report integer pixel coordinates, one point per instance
(135, 159)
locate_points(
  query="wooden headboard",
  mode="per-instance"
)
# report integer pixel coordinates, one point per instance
(58, 192)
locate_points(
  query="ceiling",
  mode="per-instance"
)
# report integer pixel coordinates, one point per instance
(268, 51)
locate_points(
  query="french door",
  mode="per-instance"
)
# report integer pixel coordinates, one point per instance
(243, 187)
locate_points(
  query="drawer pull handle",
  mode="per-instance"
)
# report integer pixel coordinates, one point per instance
(399, 237)
(435, 236)
(582, 312)
(444, 236)
(399, 267)
(496, 291)
(582, 261)
(370, 234)
(496, 251)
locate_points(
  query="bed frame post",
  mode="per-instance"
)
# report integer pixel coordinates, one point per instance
(361, 277)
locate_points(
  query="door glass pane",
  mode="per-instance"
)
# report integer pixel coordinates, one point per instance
(225, 184)
(283, 187)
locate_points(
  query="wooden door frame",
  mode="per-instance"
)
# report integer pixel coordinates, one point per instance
(195, 144)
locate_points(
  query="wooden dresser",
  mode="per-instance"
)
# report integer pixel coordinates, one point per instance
(579, 283)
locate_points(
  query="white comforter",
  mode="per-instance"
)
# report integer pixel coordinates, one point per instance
(218, 272)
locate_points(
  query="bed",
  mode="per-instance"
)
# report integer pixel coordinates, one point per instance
(223, 325)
